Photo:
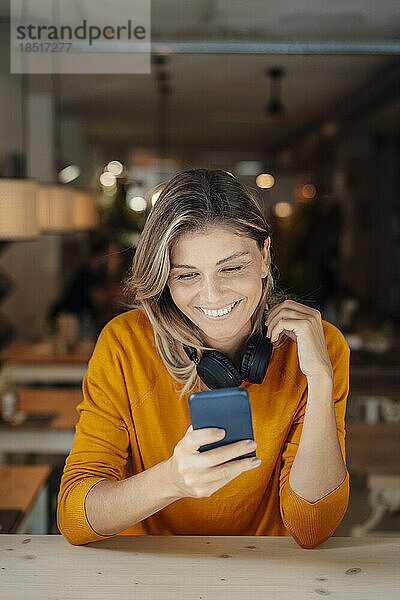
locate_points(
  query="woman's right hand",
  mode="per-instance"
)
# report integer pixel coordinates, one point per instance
(199, 474)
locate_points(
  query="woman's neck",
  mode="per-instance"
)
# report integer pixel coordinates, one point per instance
(232, 350)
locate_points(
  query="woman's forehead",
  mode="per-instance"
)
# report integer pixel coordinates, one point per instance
(215, 232)
(192, 250)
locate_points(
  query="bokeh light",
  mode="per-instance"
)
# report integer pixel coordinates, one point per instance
(265, 180)
(137, 203)
(115, 167)
(282, 210)
(107, 179)
(69, 174)
(308, 191)
(154, 197)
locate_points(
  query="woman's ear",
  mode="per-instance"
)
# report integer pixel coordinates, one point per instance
(264, 257)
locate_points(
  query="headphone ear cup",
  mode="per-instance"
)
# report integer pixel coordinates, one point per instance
(256, 357)
(217, 371)
(191, 352)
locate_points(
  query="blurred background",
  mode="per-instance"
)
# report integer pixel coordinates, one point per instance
(300, 101)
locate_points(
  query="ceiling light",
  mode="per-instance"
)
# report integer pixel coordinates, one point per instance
(69, 173)
(265, 180)
(115, 167)
(282, 210)
(137, 203)
(107, 179)
(18, 209)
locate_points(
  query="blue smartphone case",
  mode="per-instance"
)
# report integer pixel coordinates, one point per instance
(225, 408)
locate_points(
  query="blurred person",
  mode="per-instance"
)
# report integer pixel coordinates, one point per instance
(202, 280)
(91, 291)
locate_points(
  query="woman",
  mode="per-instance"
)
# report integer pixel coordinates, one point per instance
(134, 467)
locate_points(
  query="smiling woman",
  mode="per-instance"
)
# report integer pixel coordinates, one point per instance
(219, 300)
(200, 287)
(205, 246)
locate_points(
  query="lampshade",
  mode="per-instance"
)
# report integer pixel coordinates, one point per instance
(85, 211)
(55, 208)
(18, 209)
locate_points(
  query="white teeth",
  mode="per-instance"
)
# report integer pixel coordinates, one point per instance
(220, 312)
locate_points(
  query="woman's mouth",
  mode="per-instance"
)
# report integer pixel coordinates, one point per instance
(215, 317)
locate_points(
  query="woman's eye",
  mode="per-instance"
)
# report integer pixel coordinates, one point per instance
(189, 275)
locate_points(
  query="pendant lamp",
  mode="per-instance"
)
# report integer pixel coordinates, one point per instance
(18, 209)
(55, 208)
(85, 211)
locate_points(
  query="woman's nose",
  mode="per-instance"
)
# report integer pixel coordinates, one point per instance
(211, 290)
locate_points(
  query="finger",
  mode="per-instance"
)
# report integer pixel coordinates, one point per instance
(292, 304)
(271, 324)
(284, 312)
(229, 471)
(220, 455)
(290, 325)
(205, 435)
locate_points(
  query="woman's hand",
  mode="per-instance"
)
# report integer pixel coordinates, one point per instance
(199, 474)
(304, 326)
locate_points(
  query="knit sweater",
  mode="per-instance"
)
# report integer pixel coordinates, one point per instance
(131, 418)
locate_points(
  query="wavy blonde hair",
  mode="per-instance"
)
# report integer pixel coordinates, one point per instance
(191, 201)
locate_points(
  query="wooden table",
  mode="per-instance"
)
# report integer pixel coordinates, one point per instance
(55, 439)
(26, 363)
(25, 487)
(198, 568)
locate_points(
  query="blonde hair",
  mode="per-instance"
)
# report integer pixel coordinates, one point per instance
(191, 201)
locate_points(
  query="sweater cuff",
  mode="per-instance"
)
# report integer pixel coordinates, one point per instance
(75, 526)
(330, 497)
(311, 523)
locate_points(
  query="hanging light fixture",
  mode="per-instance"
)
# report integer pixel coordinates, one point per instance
(85, 213)
(18, 209)
(55, 208)
(275, 108)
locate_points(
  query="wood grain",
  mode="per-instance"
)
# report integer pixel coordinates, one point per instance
(198, 568)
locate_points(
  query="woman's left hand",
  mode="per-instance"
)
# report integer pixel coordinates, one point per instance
(304, 326)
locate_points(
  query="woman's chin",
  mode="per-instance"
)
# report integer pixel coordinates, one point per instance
(225, 330)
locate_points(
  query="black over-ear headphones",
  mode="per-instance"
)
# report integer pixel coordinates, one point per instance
(217, 371)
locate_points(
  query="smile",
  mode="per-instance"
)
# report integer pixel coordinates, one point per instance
(221, 313)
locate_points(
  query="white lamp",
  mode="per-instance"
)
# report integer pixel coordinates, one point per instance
(85, 212)
(18, 209)
(55, 208)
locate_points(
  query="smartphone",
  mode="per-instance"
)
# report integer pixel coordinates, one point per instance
(225, 408)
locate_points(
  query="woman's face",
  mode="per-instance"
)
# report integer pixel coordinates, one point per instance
(201, 278)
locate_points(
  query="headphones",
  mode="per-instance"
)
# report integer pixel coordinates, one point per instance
(217, 371)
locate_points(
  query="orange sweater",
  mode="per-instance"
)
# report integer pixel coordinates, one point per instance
(131, 419)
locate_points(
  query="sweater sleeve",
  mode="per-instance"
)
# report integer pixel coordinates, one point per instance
(100, 448)
(311, 523)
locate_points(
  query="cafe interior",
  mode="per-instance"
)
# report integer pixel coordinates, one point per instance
(300, 102)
